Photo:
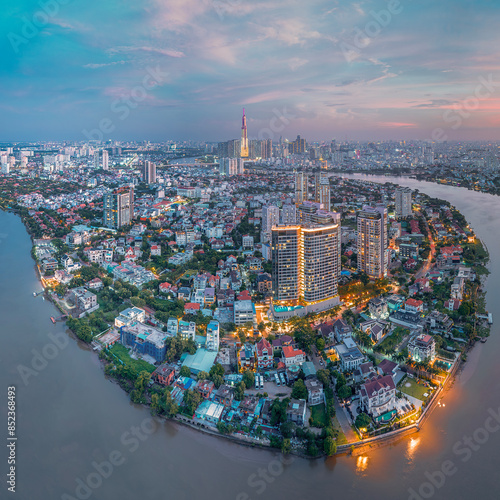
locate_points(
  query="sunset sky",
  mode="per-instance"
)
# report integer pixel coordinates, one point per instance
(322, 69)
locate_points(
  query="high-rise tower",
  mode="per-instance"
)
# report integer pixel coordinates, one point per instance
(244, 137)
(372, 241)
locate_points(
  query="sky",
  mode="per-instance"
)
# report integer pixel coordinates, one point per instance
(184, 69)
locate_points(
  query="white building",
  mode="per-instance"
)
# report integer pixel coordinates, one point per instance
(212, 343)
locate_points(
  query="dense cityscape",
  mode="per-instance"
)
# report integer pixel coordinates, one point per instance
(250, 250)
(310, 316)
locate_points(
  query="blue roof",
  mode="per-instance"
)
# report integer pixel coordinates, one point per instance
(202, 360)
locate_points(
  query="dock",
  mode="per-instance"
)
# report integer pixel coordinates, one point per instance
(60, 318)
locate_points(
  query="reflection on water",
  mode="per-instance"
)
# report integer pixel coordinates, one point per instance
(412, 448)
(361, 464)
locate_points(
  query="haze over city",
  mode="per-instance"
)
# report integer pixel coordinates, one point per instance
(364, 70)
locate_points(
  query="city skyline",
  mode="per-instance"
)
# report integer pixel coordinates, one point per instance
(182, 70)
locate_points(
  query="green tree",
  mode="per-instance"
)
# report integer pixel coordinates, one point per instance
(344, 392)
(299, 390)
(329, 446)
(185, 372)
(363, 421)
(286, 447)
(320, 344)
(202, 375)
(191, 401)
(248, 379)
(239, 391)
(324, 377)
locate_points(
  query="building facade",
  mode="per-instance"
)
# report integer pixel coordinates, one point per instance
(305, 263)
(119, 207)
(403, 203)
(372, 241)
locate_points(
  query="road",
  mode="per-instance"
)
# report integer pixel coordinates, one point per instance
(425, 268)
(344, 421)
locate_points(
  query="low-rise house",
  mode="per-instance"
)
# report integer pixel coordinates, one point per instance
(187, 330)
(388, 367)
(224, 395)
(264, 351)
(246, 356)
(205, 388)
(249, 406)
(411, 320)
(349, 355)
(292, 356)
(378, 308)
(422, 348)
(95, 284)
(129, 316)
(378, 396)
(164, 374)
(172, 326)
(414, 306)
(296, 411)
(438, 323)
(85, 301)
(244, 312)
(315, 392)
(364, 372)
(341, 330)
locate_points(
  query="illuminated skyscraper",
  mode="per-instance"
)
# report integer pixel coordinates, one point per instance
(244, 137)
(301, 192)
(306, 264)
(119, 207)
(372, 241)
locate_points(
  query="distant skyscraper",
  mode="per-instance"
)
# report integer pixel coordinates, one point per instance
(301, 192)
(119, 207)
(149, 172)
(298, 146)
(231, 166)
(96, 159)
(105, 160)
(372, 241)
(305, 264)
(244, 137)
(403, 203)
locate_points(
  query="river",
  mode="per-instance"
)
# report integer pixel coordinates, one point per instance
(71, 421)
